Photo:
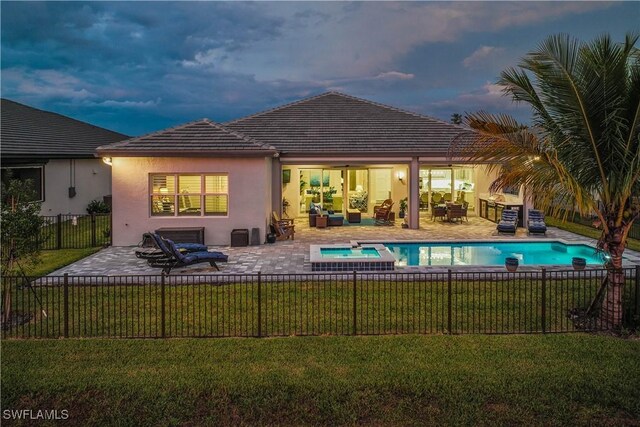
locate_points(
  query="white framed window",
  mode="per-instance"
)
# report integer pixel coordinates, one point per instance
(189, 194)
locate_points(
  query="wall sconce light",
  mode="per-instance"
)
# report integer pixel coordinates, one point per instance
(400, 175)
(107, 161)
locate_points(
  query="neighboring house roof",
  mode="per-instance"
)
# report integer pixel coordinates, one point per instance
(27, 132)
(335, 123)
(202, 137)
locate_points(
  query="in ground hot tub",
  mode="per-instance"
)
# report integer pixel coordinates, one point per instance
(368, 257)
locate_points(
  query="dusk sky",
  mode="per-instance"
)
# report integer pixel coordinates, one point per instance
(137, 67)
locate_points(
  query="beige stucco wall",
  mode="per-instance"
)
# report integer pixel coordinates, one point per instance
(249, 196)
(92, 181)
(399, 190)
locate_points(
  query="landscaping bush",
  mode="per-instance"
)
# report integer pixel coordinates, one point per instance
(97, 207)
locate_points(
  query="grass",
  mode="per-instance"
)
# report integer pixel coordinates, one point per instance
(53, 260)
(79, 235)
(585, 230)
(393, 380)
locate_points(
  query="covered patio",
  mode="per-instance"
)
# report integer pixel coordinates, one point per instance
(292, 256)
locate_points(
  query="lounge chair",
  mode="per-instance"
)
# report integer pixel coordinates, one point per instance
(151, 247)
(509, 222)
(536, 224)
(383, 215)
(174, 258)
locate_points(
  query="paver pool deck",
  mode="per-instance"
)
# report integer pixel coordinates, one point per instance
(292, 256)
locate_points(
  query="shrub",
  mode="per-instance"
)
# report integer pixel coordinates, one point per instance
(97, 206)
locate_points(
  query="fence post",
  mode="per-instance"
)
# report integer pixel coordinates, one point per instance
(59, 232)
(543, 312)
(93, 230)
(163, 315)
(637, 308)
(259, 304)
(449, 301)
(66, 304)
(355, 304)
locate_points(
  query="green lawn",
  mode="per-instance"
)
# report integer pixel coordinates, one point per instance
(408, 380)
(585, 230)
(80, 235)
(53, 260)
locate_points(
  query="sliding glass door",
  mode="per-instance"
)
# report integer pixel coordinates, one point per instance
(322, 186)
(441, 185)
(332, 193)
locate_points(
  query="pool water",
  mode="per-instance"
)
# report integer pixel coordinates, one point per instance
(490, 253)
(349, 253)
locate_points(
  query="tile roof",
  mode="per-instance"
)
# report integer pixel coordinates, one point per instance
(27, 132)
(198, 137)
(342, 124)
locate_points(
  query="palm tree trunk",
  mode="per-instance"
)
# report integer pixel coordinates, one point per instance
(611, 313)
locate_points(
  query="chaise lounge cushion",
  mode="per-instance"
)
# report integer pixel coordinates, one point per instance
(509, 222)
(537, 227)
(205, 256)
(536, 222)
(506, 227)
(195, 256)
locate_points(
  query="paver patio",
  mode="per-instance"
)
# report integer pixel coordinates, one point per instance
(293, 256)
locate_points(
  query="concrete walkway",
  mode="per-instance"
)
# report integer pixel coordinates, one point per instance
(293, 256)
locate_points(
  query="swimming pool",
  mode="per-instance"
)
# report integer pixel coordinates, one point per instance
(490, 253)
(345, 257)
(349, 253)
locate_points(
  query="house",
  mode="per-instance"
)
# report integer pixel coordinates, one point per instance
(340, 151)
(58, 154)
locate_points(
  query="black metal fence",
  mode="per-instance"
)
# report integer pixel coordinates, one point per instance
(634, 232)
(76, 231)
(262, 305)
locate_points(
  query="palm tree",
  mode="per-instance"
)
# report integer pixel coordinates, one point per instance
(582, 149)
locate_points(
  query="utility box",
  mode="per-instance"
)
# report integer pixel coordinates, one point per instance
(255, 236)
(239, 237)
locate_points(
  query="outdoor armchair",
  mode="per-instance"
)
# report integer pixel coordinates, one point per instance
(454, 213)
(382, 215)
(438, 212)
(387, 204)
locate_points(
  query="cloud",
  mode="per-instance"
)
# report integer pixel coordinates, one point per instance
(130, 104)
(394, 75)
(46, 84)
(482, 56)
(489, 97)
(144, 65)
